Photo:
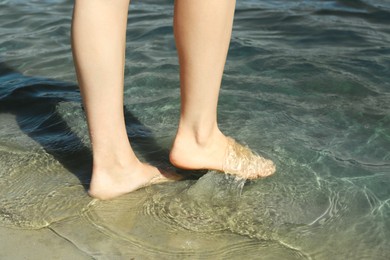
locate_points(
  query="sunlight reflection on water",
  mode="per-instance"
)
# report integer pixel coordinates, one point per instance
(306, 84)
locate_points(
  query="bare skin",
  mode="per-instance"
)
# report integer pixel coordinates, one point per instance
(98, 41)
(202, 32)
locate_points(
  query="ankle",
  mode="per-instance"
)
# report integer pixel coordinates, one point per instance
(198, 150)
(199, 136)
(113, 159)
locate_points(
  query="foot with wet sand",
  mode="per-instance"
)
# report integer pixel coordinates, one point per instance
(219, 153)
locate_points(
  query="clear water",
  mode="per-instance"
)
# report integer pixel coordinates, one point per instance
(306, 84)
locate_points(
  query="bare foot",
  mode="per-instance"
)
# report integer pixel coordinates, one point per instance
(116, 181)
(244, 163)
(219, 153)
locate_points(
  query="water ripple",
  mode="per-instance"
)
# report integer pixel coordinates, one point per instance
(306, 83)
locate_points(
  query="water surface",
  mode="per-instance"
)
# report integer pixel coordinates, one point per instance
(306, 84)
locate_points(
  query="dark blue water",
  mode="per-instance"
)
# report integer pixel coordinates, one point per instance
(306, 84)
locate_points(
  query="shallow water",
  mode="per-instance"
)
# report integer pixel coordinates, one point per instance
(306, 84)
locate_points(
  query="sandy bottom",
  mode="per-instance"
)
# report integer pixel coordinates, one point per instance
(299, 213)
(36, 244)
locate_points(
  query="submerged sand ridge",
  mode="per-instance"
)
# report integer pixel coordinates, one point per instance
(290, 214)
(36, 190)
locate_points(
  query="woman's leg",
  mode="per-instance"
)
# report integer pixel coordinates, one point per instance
(202, 32)
(98, 42)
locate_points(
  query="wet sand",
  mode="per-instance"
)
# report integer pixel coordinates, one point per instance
(37, 245)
